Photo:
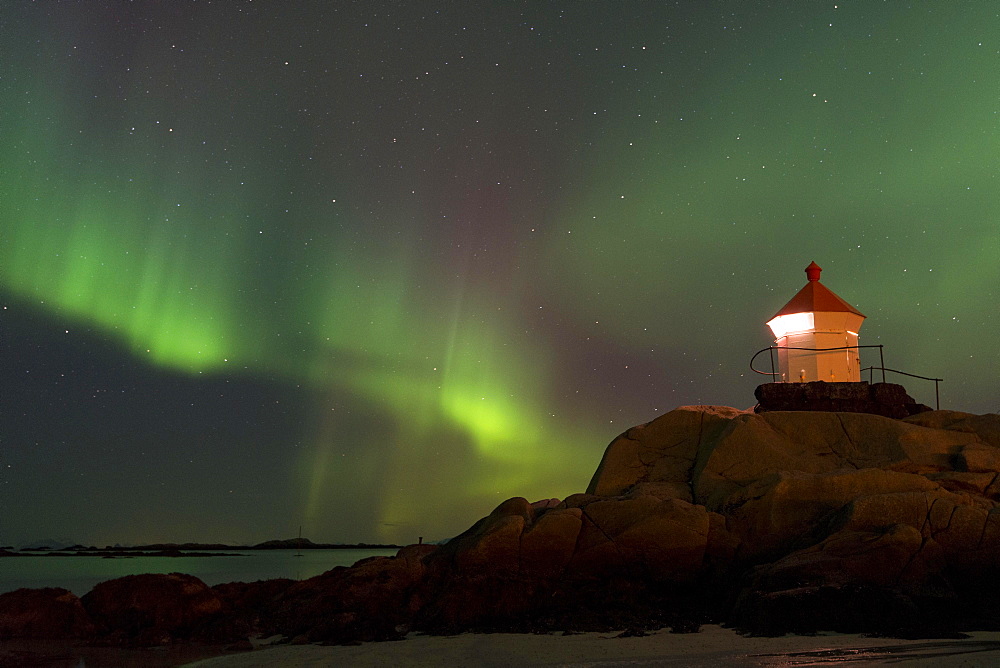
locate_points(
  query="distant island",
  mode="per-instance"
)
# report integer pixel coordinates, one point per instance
(185, 549)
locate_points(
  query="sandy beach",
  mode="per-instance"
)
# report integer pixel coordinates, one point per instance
(714, 646)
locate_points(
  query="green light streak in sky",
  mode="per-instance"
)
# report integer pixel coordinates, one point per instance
(458, 379)
(176, 294)
(164, 293)
(229, 232)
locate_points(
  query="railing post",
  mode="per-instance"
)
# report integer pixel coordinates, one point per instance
(871, 370)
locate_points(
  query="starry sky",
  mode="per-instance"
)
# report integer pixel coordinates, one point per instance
(374, 267)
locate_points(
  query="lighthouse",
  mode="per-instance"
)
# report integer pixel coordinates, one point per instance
(816, 334)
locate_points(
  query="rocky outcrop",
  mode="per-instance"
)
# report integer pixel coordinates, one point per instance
(827, 508)
(771, 520)
(776, 522)
(788, 509)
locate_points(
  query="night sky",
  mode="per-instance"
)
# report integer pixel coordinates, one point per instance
(372, 268)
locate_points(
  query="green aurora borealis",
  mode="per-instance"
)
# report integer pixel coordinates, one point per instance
(374, 268)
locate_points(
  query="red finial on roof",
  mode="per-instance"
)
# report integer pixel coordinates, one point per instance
(812, 271)
(816, 297)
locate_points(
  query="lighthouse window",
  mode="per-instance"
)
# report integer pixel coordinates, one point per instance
(793, 322)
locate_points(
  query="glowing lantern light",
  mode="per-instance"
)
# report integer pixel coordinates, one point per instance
(813, 321)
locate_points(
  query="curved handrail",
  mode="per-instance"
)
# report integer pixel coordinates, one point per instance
(911, 375)
(871, 369)
(772, 373)
(937, 390)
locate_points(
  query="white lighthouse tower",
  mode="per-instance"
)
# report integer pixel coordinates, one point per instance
(817, 320)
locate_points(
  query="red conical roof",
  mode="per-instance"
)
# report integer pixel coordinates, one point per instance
(815, 297)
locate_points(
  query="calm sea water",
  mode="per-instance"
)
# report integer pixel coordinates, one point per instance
(80, 574)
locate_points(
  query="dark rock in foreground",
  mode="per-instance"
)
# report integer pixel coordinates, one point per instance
(774, 522)
(153, 609)
(376, 599)
(43, 613)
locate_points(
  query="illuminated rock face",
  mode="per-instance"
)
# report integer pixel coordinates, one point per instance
(805, 330)
(846, 521)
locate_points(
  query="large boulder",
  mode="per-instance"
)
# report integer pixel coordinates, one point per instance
(662, 451)
(653, 539)
(985, 427)
(153, 609)
(547, 546)
(753, 447)
(789, 508)
(43, 613)
(246, 607)
(880, 581)
(372, 600)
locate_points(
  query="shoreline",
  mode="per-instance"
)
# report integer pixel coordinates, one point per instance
(80, 574)
(712, 647)
(185, 549)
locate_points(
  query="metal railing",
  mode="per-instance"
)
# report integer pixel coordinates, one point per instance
(871, 369)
